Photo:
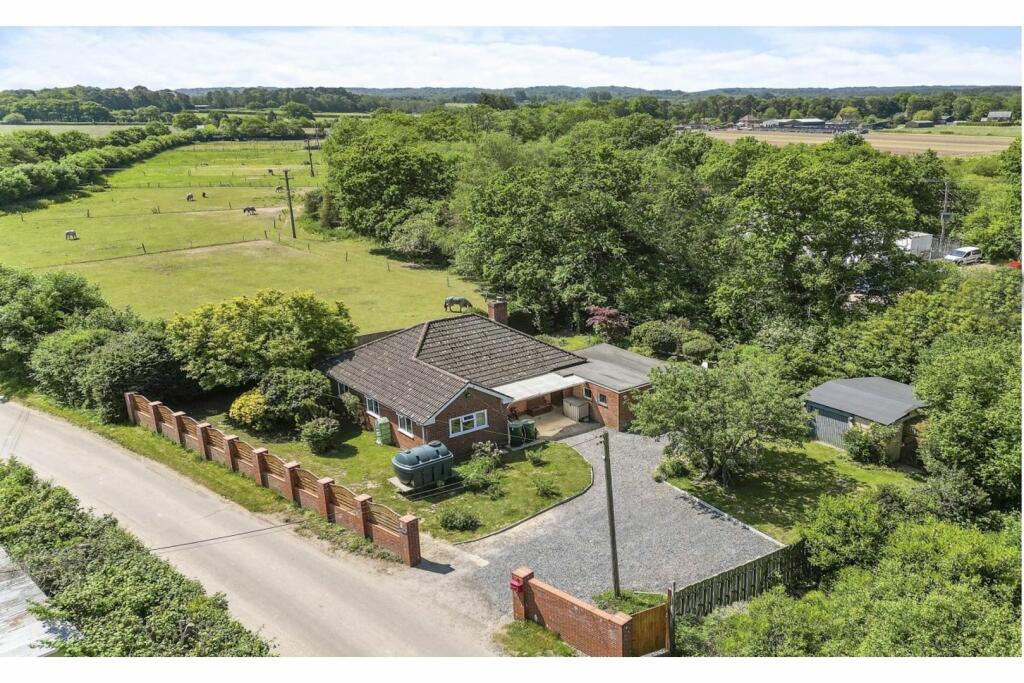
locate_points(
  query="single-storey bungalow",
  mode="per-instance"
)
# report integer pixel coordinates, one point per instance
(460, 379)
(1002, 115)
(842, 404)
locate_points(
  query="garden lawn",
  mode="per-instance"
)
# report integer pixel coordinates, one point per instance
(527, 639)
(781, 491)
(361, 464)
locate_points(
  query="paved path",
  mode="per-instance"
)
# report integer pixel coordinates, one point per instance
(663, 535)
(304, 599)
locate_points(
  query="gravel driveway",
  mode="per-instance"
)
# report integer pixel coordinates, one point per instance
(663, 535)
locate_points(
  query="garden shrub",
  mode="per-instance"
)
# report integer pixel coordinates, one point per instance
(458, 518)
(59, 360)
(845, 530)
(122, 600)
(545, 486)
(870, 445)
(534, 457)
(250, 410)
(320, 433)
(481, 473)
(294, 396)
(671, 468)
(351, 407)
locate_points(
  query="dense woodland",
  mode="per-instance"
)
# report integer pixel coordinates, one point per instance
(138, 104)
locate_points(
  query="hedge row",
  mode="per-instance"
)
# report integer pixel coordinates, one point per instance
(122, 600)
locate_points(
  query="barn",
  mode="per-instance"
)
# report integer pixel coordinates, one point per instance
(842, 404)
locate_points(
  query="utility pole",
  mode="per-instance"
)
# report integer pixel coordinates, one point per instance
(309, 151)
(945, 214)
(611, 512)
(291, 214)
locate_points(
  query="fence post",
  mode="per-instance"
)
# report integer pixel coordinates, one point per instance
(362, 505)
(230, 451)
(323, 497)
(129, 404)
(259, 456)
(409, 525)
(153, 411)
(289, 479)
(521, 594)
(179, 425)
(203, 437)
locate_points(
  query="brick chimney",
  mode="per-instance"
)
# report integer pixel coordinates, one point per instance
(497, 310)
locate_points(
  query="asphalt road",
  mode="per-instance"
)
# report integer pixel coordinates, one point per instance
(307, 601)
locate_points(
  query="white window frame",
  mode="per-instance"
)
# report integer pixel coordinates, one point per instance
(404, 430)
(588, 393)
(604, 403)
(375, 412)
(476, 416)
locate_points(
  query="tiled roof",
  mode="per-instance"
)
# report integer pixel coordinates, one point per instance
(416, 371)
(489, 353)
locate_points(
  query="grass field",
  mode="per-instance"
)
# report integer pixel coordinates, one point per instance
(781, 491)
(901, 142)
(146, 247)
(974, 131)
(94, 129)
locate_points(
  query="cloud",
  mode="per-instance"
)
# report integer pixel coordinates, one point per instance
(494, 57)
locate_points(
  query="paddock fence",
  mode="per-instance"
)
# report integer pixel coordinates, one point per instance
(336, 503)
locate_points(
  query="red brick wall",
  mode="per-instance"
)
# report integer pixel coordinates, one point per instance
(617, 414)
(470, 401)
(588, 629)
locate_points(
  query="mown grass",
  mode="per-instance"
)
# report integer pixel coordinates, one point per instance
(781, 491)
(572, 342)
(527, 639)
(94, 129)
(364, 466)
(258, 251)
(974, 131)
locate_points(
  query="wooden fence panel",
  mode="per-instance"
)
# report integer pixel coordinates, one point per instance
(307, 488)
(383, 516)
(786, 566)
(650, 630)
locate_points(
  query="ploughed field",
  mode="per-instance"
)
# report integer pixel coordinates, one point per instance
(897, 143)
(149, 248)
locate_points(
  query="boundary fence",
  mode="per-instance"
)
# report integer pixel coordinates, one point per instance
(340, 505)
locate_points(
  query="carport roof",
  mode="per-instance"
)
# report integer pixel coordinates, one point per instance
(614, 368)
(873, 398)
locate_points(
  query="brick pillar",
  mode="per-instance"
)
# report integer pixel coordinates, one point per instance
(625, 624)
(179, 426)
(153, 405)
(258, 458)
(362, 502)
(203, 437)
(323, 497)
(409, 525)
(522, 607)
(231, 451)
(289, 480)
(129, 405)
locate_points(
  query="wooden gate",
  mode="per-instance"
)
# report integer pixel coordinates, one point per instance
(650, 630)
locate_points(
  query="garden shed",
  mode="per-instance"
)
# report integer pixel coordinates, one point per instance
(840, 404)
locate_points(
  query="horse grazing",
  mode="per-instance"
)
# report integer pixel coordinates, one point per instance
(270, 171)
(249, 211)
(204, 195)
(460, 301)
(70, 235)
(190, 197)
(279, 188)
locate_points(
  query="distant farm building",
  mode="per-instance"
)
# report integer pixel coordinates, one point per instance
(1000, 115)
(748, 121)
(920, 124)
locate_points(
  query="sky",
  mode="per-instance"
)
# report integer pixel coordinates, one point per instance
(687, 59)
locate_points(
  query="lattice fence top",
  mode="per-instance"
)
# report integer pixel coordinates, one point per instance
(244, 449)
(190, 425)
(274, 464)
(307, 481)
(140, 402)
(383, 516)
(165, 414)
(343, 497)
(215, 437)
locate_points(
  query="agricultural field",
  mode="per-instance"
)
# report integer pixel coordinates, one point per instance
(898, 143)
(94, 129)
(975, 131)
(148, 248)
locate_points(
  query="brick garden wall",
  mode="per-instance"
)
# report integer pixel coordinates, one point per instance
(592, 631)
(336, 503)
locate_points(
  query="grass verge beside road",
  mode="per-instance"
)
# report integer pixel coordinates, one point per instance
(781, 491)
(527, 639)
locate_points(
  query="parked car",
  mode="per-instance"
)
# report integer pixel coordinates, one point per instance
(964, 256)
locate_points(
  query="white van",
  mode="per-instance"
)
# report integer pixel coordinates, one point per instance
(964, 256)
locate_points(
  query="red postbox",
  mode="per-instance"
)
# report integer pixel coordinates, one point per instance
(516, 584)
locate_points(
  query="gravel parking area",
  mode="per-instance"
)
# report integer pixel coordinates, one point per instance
(663, 534)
